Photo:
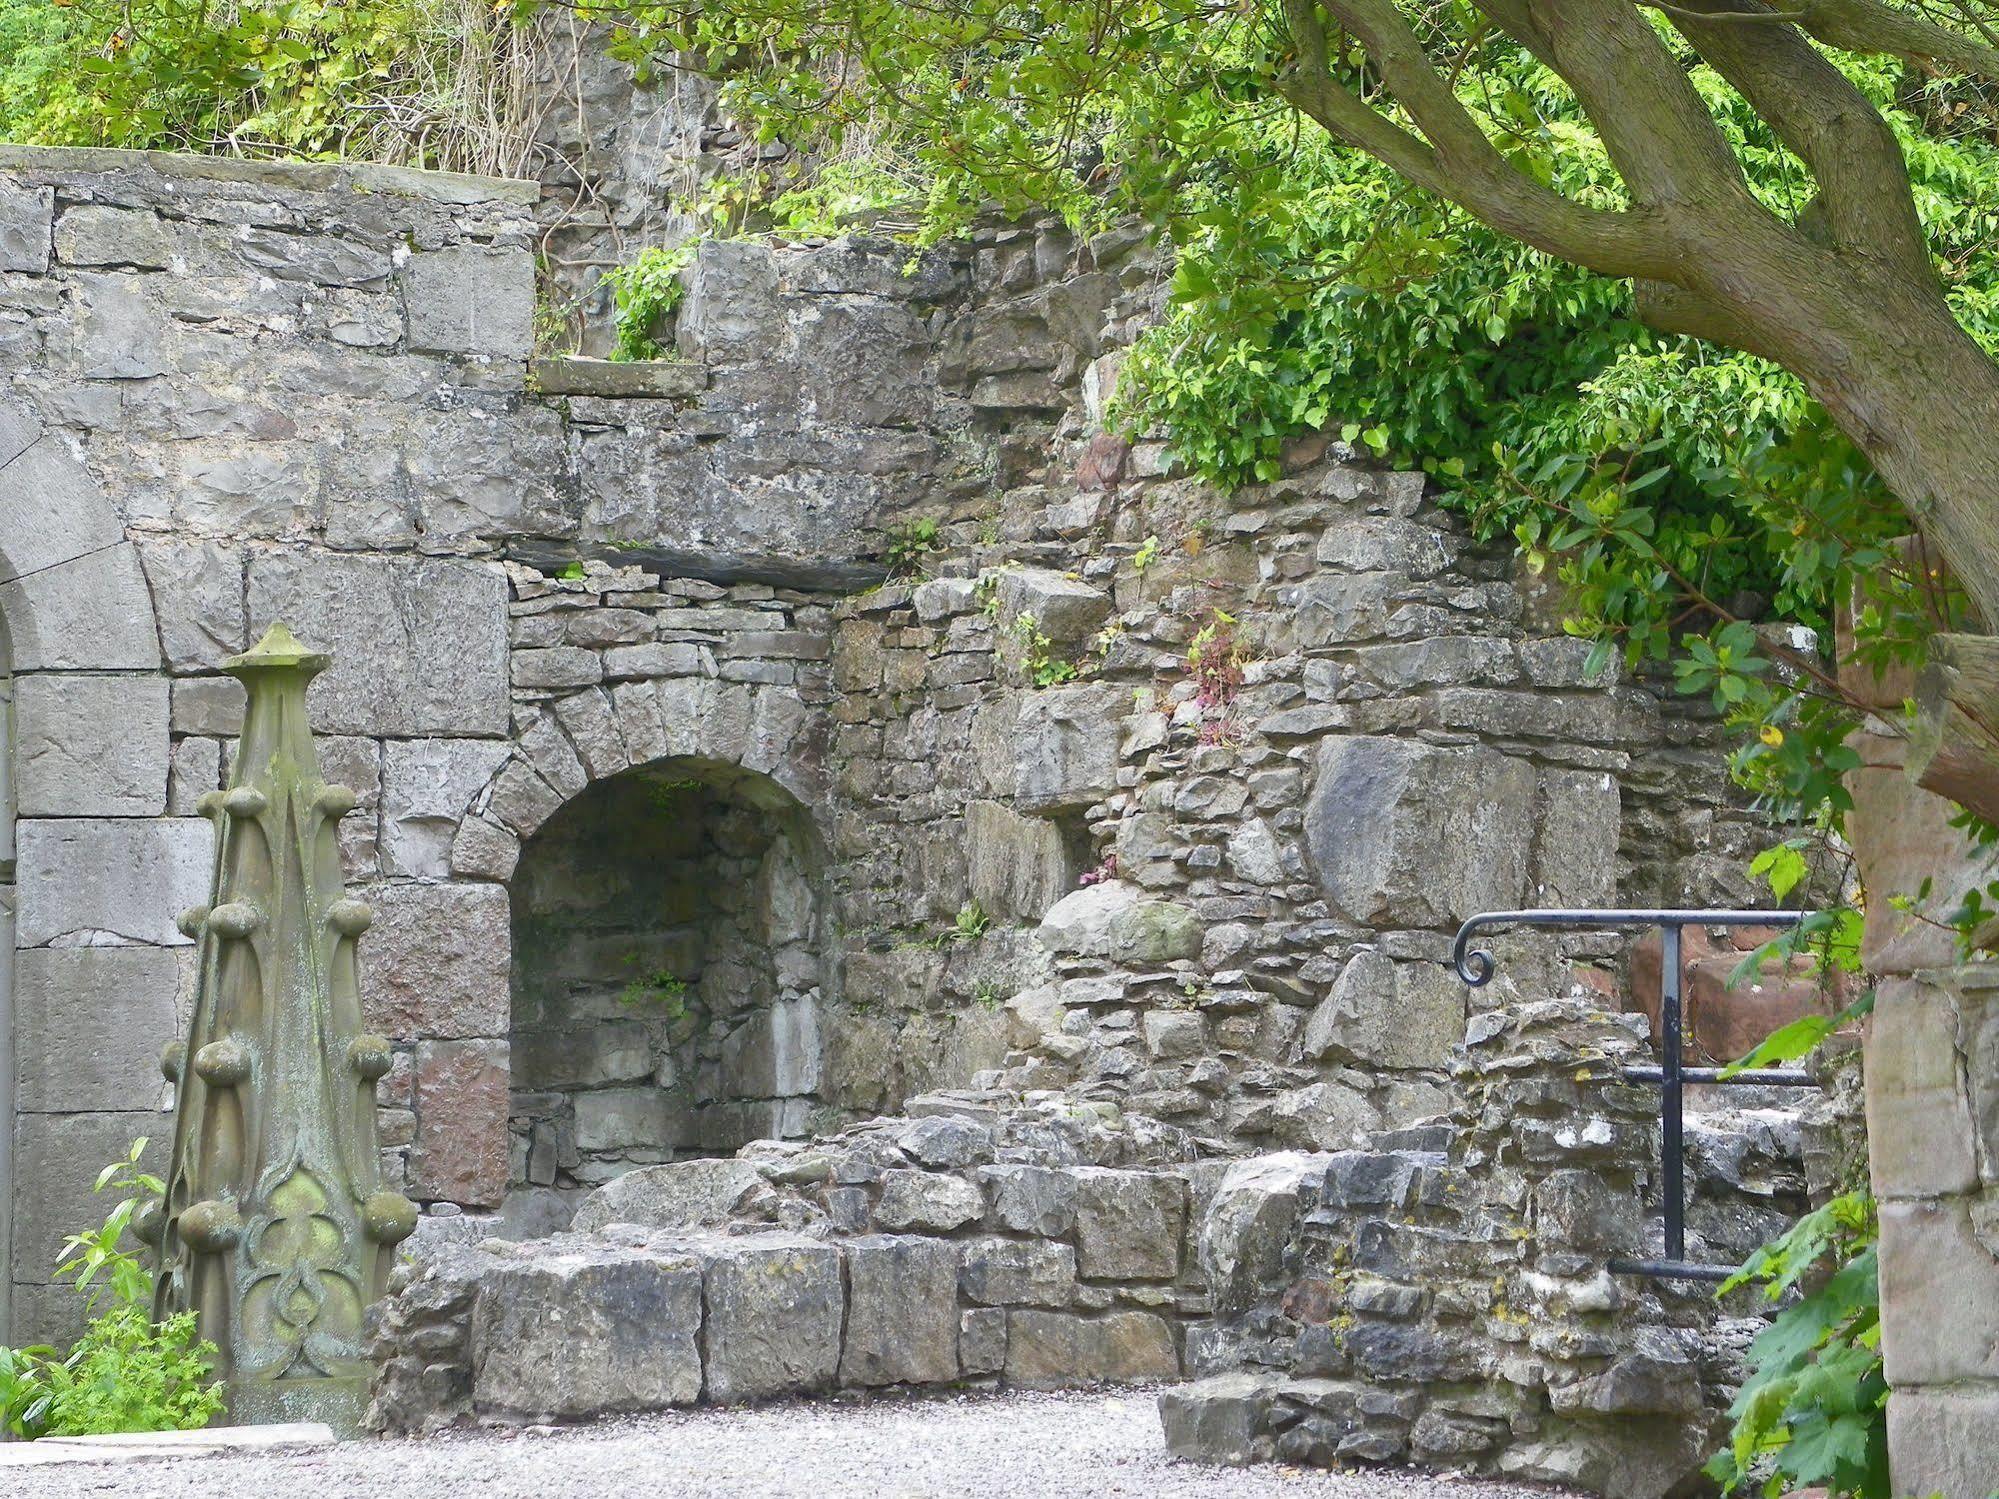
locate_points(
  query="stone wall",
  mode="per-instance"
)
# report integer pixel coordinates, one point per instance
(236, 391)
(1933, 1130)
(1441, 1296)
(1032, 1249)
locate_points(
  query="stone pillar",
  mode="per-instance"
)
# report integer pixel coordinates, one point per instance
(276, 1229)
(1932, 1056)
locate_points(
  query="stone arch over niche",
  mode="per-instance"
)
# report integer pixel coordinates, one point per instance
(98, 868)
(671, 965)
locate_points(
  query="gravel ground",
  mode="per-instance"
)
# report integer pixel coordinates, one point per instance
(1069, 1446)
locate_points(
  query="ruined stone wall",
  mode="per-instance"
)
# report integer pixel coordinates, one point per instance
(238, 391)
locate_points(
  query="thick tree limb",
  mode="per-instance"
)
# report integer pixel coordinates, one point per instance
(1852, 154)
(1457, 161)
(1664, 143)
(1867, 26)
(1667, 308)
(1954, 743)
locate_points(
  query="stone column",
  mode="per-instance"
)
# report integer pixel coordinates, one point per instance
(1932, 1056)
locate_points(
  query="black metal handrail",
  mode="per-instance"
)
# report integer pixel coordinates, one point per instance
(1476, 967)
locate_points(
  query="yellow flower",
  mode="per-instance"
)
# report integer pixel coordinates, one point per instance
(1772, 735)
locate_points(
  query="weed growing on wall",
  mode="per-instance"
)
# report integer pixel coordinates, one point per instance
(647, 290)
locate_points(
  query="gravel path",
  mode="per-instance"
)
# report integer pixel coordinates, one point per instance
(1069, 1446)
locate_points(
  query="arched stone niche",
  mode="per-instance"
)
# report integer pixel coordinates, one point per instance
(670, 969)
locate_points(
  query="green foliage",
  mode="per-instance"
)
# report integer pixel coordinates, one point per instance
(659, 990)
(906, 545)
(1038, 658)
(126, 1373)
(419, 82)
(1687, 496)
(647, 291)
(1814, 1411)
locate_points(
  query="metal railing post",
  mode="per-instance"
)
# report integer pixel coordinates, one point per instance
(1476, 967)
(1672, 1123)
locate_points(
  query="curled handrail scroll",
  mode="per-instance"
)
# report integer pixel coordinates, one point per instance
(1476, 965)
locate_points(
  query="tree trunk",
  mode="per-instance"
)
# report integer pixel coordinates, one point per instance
(1881, 351)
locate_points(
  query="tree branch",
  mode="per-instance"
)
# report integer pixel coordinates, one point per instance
(1457, 162)
(1815, 110)
(1665, 144)
(1868, 26)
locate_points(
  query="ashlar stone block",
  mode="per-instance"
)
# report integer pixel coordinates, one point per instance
(584, 1335)
(54, 509)
(56, 1161)
(774, 1307)
(435, 963)
(427, 785)
(90, 881)
(1945, 1441)
(902, 1314)
(1128, 1224)
(471, 299)
(1919, 1126)
(419, 645)
(1057, 1350)
(461, 1136)
(26, 214)
(1939, 1293)
(88, 614)
(198, 598)
(1405, 833)
(89, 1025)
(90, 745)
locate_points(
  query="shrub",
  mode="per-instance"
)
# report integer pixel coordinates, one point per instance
(127, 1372)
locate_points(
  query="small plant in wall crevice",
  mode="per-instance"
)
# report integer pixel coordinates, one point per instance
(1217, 658)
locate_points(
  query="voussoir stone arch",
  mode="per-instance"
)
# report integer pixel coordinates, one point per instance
(600, 732)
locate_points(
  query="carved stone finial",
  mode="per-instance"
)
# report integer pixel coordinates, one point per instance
(276, 1229)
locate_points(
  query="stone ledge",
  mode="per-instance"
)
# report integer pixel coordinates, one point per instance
(654, 378)
(45, 164)
(135, 1446)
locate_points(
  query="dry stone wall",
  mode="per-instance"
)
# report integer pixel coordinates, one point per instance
(985, 830)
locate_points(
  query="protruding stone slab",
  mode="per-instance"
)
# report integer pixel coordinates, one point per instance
(90, 746)
(682, 1195)
(585, 1335)
(1018, 866)
(1115, 920)
(139, 1446)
